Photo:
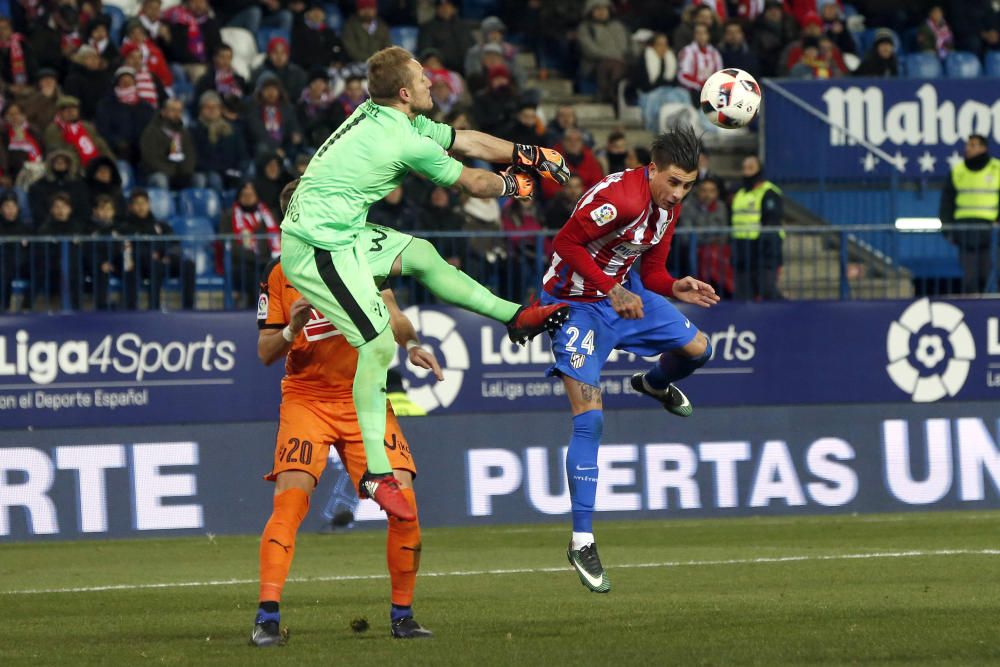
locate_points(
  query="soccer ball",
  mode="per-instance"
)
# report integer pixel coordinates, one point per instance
(730, 98)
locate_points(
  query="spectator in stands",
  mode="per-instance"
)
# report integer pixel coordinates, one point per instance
(934, 35)
(151, 19)
(881, 60)
(108, 255)
(771, 32)
(835, 27)
(258, 239)
(271, 120)
(220, 148)
(195, 36)
(274, 15)
(976, 24)
(159, 260)
(654, 78)
(147, 87)
(89, 80)
(698, 61)
(394, 210)
(292, 77)
(68, 131)
(757, 251)
(447, 34)
(447, 86)
(104, 180)
(221, 78)
(560, 207)
(98, 37)
(13, 254)
(580, 160)
(39, 103)
(548, 29)
(243, 14)
(705, 173)
(604, 48)
(23, 157)
(519, 216)
(706, 210)
(526, 127)
(736, 52)
(440, 214)
(314, 44)
(61, 220)
(492, 50)
(56, 38)
(17, 60)
(364, 32)
(153, 59)
(816, 60)
(61, 175)
(695, 15)
(612, 157)
(564, 120)
(271, 177)
(495, 106)
(825, 59)
(319, 112)
(353, 95)
(168, 152)
(971, 198)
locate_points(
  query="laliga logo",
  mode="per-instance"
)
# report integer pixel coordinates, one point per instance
(438, 331)
(929, 350)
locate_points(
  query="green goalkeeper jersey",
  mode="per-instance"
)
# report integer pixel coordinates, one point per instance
(360, 163)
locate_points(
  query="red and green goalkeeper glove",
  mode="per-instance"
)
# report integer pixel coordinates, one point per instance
(547, 162)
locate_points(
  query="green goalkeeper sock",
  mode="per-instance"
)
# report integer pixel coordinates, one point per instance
(370, 397)
(451, 285)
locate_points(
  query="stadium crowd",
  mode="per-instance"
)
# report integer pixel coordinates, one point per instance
(111, 110)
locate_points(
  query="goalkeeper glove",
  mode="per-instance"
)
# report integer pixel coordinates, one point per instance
(517, 183)
(547, 162)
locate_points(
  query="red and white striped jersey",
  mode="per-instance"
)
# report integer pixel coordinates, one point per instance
(695, 65)
(613, 224)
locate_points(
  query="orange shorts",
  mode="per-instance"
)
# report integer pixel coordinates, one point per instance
(307, 429)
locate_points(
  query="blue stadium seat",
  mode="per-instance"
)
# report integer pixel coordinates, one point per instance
(200, 202)
(264, 36)
(198, 249)
(127, 173)
(962, 65)
(161, 203)
(992, 63)
(479, 9)
(922, 66)
(117, 17)
(405, 36)
(334, 19)
(5, 8)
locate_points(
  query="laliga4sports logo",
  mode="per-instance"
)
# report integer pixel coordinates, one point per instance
(439, 332)
(930, 350)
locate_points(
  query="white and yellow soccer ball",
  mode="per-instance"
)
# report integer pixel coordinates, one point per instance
(730, 98)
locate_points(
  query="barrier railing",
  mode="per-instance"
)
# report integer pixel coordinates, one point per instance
(61, 273)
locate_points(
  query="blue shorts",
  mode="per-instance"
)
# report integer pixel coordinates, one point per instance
(594, 329)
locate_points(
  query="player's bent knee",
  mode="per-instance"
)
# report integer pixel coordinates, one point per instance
(699, 347)
(404, 477)
(706, 352)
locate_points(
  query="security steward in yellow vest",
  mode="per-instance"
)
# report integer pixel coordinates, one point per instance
(756, 238)
(971, 197)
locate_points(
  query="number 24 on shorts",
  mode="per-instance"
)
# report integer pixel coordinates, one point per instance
(587, 345)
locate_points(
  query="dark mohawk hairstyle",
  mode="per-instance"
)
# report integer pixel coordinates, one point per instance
(679, 146)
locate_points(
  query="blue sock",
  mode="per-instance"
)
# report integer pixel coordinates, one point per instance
(267, 616)
(673, 367)
(398, 612)
(581, 467)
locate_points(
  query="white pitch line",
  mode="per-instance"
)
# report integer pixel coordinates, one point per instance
(526, 570)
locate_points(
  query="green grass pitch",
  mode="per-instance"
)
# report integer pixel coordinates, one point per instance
(889, 589)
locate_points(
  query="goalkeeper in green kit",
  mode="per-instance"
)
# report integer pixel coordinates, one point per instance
(321, 253)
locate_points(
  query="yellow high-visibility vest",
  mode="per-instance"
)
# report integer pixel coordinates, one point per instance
(977, 192)
(747, 210)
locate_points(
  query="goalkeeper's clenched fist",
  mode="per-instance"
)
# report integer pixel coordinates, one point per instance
(547, 162)
(517, 183)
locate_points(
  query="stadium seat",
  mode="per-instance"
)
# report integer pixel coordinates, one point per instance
(200, 202)
(161, 203)
(477, 10)
(127, 173)
(117, 18)
(992, 63)
(405, 36)
(334, 19)
(962, 65)
(264, 36)
(5, 8)
(199, 248)
(922, 66)
(852, 61)
(241, 41)
(128, 7)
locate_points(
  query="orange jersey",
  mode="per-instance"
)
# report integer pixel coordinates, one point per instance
(321, 363)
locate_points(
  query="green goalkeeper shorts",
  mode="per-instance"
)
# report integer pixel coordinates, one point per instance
(381, 246)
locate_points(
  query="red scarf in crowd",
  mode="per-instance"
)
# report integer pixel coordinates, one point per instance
(271, 115)
(18, 72)
(146, 88)
(195, 40)
(942, 37)
(226, 84)
(127, 95)
(21, 139)
(251, 222)
(76, 135)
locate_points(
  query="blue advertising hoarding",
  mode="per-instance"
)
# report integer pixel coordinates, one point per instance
(921, 124)
(156, 368)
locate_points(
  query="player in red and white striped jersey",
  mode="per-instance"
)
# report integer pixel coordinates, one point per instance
(626, 216)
